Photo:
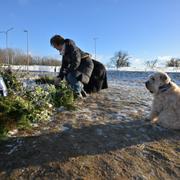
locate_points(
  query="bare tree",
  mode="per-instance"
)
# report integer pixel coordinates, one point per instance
(120, 59)
(151, 64)
(17, 57)
(173, 62)
(2, 56)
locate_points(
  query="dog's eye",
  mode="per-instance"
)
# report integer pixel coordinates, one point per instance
(152, 79)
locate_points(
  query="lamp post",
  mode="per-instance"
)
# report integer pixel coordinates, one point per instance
(95, 44)
(27, 46)
(6, 33)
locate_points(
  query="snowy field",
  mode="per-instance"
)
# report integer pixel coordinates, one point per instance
(135, 78)
(126, 75)
(35, 68)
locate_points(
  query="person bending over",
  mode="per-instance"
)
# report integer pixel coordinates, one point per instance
(77, 66)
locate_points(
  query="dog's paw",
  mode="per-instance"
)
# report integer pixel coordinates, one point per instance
(154, 120)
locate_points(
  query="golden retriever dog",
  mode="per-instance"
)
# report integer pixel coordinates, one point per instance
(166, 104)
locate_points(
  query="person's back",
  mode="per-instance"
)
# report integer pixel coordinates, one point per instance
(98, 80)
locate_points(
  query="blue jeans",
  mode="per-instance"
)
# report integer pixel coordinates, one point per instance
(76, 85)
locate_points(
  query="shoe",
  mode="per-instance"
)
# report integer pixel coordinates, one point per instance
(84, 94)
(78, 96)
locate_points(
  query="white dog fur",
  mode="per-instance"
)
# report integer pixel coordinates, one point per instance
(166, 104)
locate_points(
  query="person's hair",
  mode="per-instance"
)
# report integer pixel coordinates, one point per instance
(57, 40)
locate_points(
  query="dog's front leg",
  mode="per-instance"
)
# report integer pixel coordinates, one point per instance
(154, 116)
(156, 109)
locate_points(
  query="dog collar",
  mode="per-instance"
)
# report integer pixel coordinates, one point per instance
(165, 87)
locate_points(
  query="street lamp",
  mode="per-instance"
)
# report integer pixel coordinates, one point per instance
(27, 37)
(6, 33)
(95, 41)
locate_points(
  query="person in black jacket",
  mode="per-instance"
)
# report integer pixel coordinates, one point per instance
(77, 66)
(88, 73)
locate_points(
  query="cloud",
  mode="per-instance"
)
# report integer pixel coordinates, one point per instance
(106, 59)
(102, 58)
(140, 62)
(163, 59)
(137, 62)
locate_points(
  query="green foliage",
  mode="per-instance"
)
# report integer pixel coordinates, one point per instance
(14, 107)
(39, 105)
(31, 104)
(11, 81)
(61, 95)
(13, 111)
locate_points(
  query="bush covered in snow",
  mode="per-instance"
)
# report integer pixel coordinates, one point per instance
(26, 105)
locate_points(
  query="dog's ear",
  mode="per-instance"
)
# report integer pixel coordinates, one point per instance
(163, 77)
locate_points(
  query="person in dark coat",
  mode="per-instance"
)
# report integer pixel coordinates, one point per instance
(77, 66)
(98, 78)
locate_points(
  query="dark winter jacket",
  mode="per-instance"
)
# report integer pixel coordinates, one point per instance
(77, 62)
(98, 78)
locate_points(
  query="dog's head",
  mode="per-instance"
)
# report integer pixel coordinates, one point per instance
(157, 81)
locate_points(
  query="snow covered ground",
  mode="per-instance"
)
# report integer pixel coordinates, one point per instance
(145, 69)
(106, 135)
(135, 78)
(125, 75)
(35, 68)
